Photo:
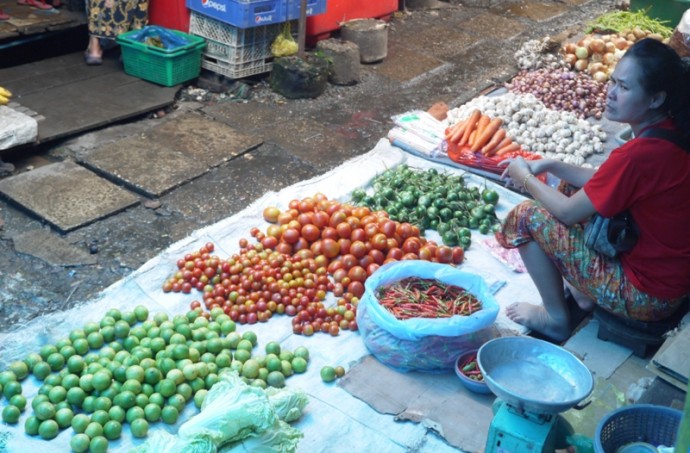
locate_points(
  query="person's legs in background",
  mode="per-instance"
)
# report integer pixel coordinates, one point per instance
(94, 53)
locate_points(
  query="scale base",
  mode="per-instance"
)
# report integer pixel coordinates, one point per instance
(513, 432)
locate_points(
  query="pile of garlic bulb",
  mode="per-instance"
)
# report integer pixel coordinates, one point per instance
(539, 53)
(540, 130)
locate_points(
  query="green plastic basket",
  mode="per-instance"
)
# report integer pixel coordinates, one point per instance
(161, 66)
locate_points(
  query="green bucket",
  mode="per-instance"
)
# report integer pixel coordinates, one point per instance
(668, 11)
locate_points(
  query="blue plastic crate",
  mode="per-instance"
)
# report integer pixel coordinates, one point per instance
(242, 13)
(314, 8)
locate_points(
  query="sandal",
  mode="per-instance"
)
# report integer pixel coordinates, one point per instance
(38, 4)
(92, 60)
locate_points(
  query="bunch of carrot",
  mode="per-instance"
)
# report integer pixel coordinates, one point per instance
(481, 133)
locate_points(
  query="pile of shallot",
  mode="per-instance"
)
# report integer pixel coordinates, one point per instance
(562, 89)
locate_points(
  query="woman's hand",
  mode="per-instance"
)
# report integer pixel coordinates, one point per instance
(517, 169)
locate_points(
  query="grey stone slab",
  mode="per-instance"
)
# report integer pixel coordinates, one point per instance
(70, 97)
(247, 117)
(203, 139)
(66, 195)
(493, 27)
(403, 64)
(309, 140)
(442, 42)
(538, 11)
(144, 165)
(51, 248)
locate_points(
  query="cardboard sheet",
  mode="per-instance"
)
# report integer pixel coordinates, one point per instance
(672, 361)
(601, 357)
(334, 420)
(437, 401)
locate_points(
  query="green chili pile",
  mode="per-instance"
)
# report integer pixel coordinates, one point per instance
(415, 297)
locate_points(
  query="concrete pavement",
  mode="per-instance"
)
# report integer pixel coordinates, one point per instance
(448, 53)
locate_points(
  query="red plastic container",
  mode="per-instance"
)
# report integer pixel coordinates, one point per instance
(169, 14)
(338, 11)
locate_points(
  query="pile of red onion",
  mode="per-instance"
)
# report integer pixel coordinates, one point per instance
(562, 89)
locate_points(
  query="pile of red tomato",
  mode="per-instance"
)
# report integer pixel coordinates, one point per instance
(315, 246)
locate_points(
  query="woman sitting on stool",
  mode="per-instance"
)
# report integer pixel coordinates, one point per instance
(650, 177)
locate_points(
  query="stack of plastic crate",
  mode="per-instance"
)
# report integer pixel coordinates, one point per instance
(239, 33)
(232, 51)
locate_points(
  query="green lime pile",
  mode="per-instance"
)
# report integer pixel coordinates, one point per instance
(433, 200)
(132, 369)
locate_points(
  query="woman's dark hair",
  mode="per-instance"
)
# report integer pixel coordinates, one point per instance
(664, 70)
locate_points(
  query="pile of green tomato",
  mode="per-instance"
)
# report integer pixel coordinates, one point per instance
(433, 200)
(129, 369)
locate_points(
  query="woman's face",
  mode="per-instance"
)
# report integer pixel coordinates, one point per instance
(626, 101)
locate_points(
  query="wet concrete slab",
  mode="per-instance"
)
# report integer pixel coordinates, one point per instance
(69, 97)
(575, 2)
(52, 249)
(203, 139)
(538, 11)
(66, 195)
(230, 188)
(25, 20)
(250, 118)
(442, 41)
(345, 126)
(403, 64)
(143, 165)
(312, 141)
(493, 27)
(169, 155)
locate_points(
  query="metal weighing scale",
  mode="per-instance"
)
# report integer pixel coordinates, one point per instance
(534, 381)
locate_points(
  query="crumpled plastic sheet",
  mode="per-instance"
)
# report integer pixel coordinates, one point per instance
(16, 128)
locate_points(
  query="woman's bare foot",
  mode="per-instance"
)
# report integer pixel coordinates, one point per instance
(536, 318)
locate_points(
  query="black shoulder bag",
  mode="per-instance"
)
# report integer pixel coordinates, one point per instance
(613, 235)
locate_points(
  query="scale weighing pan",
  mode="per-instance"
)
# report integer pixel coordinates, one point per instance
(534, 375)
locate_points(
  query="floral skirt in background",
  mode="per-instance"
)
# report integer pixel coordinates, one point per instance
(600, 278)
(110, 18)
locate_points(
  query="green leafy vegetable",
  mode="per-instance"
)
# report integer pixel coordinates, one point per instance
(282, 438)
(620, 21)
(235, 413)
(288, 403)
(231, 412)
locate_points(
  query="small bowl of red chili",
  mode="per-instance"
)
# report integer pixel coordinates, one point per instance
(467, 369)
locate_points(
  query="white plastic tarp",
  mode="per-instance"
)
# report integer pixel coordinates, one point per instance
(334, 420)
